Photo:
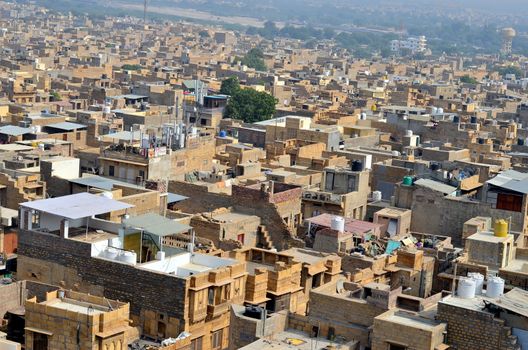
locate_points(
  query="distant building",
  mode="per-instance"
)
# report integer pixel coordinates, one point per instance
(412, 44)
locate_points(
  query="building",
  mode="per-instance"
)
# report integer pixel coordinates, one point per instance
(69, 234)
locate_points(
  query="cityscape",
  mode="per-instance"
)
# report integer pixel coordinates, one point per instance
(263, 175)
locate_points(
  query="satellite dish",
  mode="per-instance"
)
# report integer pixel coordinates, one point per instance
(340, 286)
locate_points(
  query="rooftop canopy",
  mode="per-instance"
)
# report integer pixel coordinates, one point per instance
(76, 206)
(156, 225)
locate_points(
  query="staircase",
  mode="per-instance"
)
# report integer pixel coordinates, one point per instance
(264, 238)
(508, 340)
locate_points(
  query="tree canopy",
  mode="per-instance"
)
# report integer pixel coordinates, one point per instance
(250, 106)
(254, 59)
(230, 86)
(468, 80)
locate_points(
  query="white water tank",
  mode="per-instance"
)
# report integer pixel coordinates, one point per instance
(466, 288)
(395, 153)
(377, 196)
(107, 109)
(440, 110)
(160, 255)
(128, 257)
(409, 133)
(363, 116)
(110, 253)
(434, 111)
(495, 287)
(338, 223)
(479, 281)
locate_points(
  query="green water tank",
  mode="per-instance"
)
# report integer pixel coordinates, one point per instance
(407, 180)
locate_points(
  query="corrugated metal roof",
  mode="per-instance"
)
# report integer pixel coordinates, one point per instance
(436, 186)
(511, 180)
(156, 224)
(66, 126)
(124, 135)
(175, 198)
(77, 206)
(14, 130)
(100, 182)
(351, 225)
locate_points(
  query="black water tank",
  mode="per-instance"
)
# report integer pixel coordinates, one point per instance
(253, 312)
(456, 119)
(473, 119)
(481, 141)
(357, 165)
(520, 141)
(435, 166)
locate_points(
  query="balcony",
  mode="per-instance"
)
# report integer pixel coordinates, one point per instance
(218, 310)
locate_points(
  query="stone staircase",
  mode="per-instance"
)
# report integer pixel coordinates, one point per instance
(509, 341)
(264, 238)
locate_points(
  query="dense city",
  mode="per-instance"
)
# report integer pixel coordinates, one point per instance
(175, 185)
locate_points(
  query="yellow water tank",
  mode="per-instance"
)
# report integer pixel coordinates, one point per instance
(501, 228)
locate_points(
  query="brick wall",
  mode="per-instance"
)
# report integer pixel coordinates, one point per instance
(473, 330)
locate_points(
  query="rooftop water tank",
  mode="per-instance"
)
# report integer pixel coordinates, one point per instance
(363, 116)
(501, 228)
(106, 109)
(128, 257)
(440, 110)
(466, 288)
(434, 111)
(338, 224)
(495, 287)
(520, 141)
(473, 119)
(160, 255)
(456, 119)
(395, 153)
(409, 133)
(407, 180)
(479, 281)
(222, 133)
(377, 196)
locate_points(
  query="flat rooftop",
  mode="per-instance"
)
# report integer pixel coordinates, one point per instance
(410, 320)
(487, 237)
(186, 264)
(75, 306)
(289, 339)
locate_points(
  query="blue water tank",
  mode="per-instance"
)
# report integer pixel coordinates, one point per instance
(222, 133)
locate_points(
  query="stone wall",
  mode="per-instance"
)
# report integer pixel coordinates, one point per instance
(67, 263)
(473, 330)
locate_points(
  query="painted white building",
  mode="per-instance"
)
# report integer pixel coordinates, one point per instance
(413, 44)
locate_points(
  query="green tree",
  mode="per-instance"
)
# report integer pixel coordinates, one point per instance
(254, 59)
(466, 79)
(131, 67)
(250, 106)
(230, 86)
(56, 96)
(510, 70)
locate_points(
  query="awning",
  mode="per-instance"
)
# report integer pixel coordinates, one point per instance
(156, 225)
(77, 206)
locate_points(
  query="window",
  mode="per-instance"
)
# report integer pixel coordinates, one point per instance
(40, 341)
(196, 344)
(111, 170)
(78, 136)
(240, 238)
(397, 347)
(329, 184)
(142, 174)
(64, 137)
(216, 340)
